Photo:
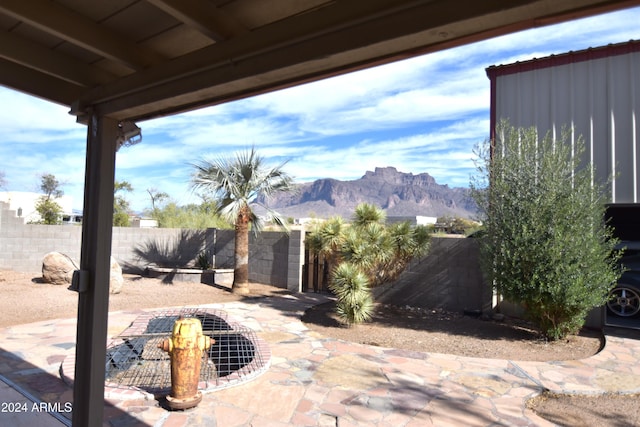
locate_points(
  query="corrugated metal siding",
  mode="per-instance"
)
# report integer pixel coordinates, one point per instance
(595, 98)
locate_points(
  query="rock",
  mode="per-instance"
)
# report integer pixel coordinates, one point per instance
(115, 277)
(57, 268)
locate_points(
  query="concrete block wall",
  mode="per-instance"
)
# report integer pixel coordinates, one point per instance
(274, 256)
(295, 260)
(23, 246)
(224, 248)
(268, 254)
(134, 248)
(449, 277)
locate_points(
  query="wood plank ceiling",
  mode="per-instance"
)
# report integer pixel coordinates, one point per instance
(139, 59)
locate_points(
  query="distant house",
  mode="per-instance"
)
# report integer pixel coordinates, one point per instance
(138, 222)
(413, 220)
(72, 218)
(24, 204)
(304, 221)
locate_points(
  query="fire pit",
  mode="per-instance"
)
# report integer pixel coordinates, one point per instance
(134, 360)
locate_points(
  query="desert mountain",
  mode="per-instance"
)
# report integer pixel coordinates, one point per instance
(397, 193)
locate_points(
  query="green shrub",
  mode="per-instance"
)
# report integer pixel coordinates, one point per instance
(50, 212)
(546, 244)
(196, 217)
(203, 260)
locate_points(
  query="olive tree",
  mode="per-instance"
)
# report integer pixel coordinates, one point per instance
(546, 245)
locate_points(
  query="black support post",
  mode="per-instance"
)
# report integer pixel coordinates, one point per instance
(93, 297)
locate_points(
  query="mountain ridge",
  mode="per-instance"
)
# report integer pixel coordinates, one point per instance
(397, 193)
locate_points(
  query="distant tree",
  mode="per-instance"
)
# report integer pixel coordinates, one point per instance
(457, 225)
(464, 226)
(546, 245)
(46, 206)
(3, 180)
(50, 186)
(191, 216)
(156, 197)
(236, 182)
(121, 205)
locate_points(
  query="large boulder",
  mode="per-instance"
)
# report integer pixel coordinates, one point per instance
(115, 277)
(58, 268)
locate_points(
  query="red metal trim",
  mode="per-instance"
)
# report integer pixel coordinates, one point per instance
(563, 59)
(492, 113)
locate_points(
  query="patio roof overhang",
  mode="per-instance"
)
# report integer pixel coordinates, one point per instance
(131, 60)
(135, 60)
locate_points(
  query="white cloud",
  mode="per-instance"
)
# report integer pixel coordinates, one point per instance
(444, 149)
(143, 156)
(29, 120)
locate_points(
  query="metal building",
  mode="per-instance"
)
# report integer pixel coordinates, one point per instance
(594, 93)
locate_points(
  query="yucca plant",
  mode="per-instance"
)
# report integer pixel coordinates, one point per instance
(203, 260)
(364, 254)
(351, 286)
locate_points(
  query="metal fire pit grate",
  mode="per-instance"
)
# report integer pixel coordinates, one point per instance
(134, 360)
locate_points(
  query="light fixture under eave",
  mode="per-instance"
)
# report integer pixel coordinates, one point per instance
(128, 134)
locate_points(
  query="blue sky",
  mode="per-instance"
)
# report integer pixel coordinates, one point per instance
(423, 114)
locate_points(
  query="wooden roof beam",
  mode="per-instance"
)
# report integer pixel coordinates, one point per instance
(203, 16)
(38, 84)
(74, 28)
(313, 45)
(258, 43)
(32, 55)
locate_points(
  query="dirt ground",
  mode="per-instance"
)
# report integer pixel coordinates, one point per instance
(440, 331)
(26, 299)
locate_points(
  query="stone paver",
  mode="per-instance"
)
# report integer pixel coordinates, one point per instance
(318, 381)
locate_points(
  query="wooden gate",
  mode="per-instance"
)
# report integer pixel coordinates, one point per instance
(313, 273)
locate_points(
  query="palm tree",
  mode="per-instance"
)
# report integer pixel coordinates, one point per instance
(237, 182)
